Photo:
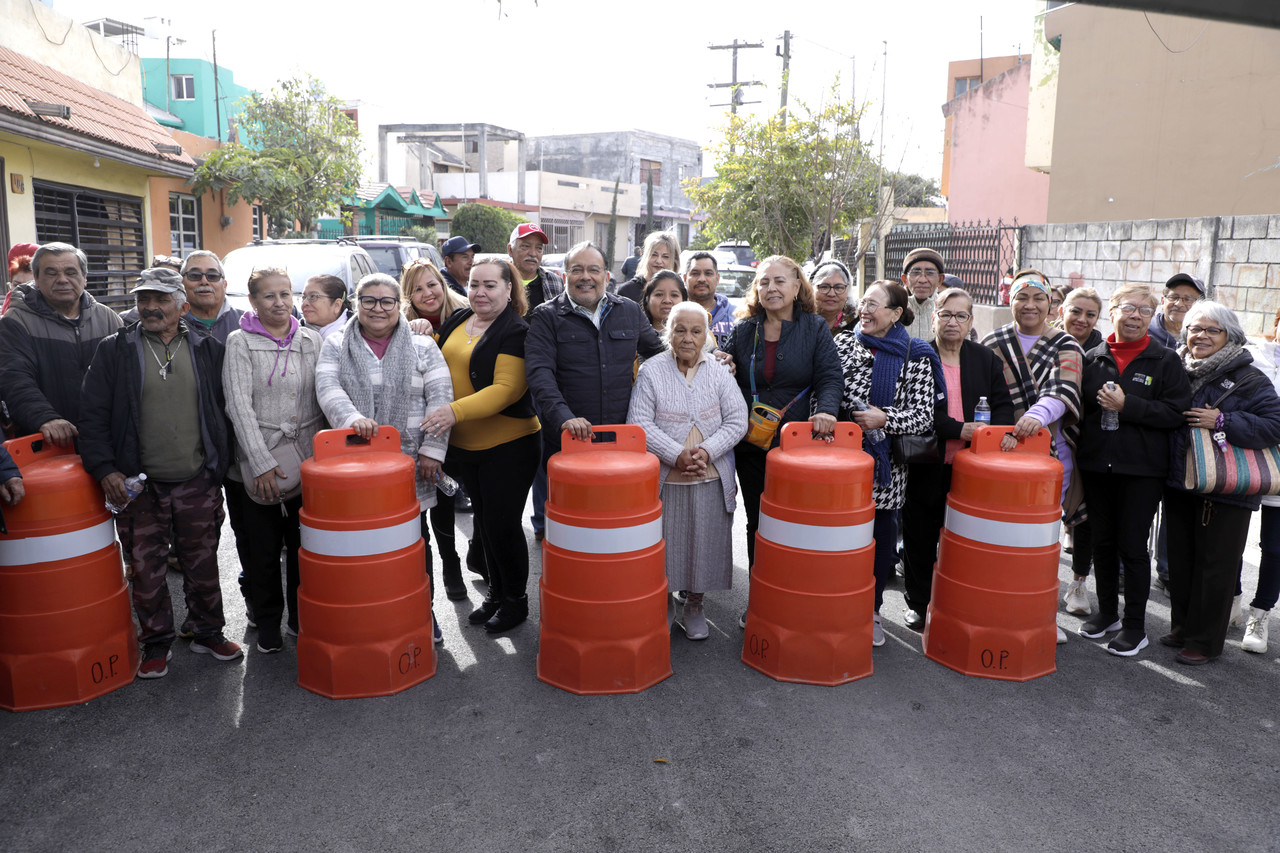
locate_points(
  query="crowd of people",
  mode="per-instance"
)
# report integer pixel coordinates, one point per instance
(484, 365)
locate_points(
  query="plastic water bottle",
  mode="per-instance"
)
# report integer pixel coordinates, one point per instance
(873, 436)
(133, 486)
(1110, 419)
(982, 411)
(446, 484)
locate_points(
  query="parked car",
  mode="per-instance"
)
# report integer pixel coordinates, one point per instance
(724, 259)
(391, 253)
(742, 252)
(301, 259)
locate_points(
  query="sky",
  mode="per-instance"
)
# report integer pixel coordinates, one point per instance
(566, 66)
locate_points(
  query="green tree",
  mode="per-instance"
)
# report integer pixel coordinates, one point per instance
(611, 243)
(915, 191)
(789, 186)
(301, 156)
(484, 224)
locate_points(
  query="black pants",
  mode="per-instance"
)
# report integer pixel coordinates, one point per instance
(1121, 507)
(1206, 540)
(1082, 545)
(498, 481)
(265, 531)
(442, 523)
(749, 461)
(922, 518)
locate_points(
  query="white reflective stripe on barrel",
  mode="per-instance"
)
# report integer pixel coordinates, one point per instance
(59, 546)
(609, 540)
(1005, 534)
(813, 537)
(361, 543)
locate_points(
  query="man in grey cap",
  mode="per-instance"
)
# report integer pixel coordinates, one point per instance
(152, 403)
(1180, 293)
(921, 274)
(458, 253)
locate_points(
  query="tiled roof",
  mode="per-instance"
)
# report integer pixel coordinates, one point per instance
(370, 191)
(93, 112)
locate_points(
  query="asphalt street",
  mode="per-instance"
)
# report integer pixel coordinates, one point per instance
(1106, 754)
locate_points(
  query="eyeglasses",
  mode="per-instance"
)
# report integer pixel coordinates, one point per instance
(869, 307)
(958, 316)
(1211, 331)
(386, 303)
(316, 297)
(1183, 300)
(916, 272)
(1128, 310)
(195, 275)
(833, 288)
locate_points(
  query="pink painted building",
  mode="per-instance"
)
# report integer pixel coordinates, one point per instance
(987, 176)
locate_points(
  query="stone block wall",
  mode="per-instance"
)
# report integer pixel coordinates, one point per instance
(1238, 258)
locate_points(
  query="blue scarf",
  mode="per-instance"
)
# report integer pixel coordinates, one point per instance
(891, 353)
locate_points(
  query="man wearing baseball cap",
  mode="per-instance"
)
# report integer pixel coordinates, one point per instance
(153, 404)
(1180, 293)
(458, 253)
(921, 274)
(525, 248)
(47, 338)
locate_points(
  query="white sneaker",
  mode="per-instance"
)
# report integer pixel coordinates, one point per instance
(1237, 614)
(1255, 632)
(1076, 599)
(1062, 635)
(877, 631)
(695, 621)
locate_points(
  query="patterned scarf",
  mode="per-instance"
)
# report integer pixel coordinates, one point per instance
(1051, 369)
(391, 405)
(1201, 371)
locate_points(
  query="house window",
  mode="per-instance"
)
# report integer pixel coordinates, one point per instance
(650, 168)
(184, 224)
(562, 233)
(107, 228)
(682, 234)
(182, 87)
(259, 223)
(602, 235)
(964, 84)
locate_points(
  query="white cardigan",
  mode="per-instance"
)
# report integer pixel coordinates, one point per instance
(666, 406)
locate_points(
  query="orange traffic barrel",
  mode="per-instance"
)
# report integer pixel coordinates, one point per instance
(603, 591)
(66, 627)
(994, 607)
(813, 583)
(364, 601)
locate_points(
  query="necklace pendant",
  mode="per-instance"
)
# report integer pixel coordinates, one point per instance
(164, 372)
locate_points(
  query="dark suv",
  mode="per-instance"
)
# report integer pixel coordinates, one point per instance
(390, 253)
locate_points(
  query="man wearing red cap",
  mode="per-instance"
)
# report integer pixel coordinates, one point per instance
(525, 248)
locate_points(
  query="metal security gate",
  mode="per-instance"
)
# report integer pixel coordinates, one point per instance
(107, 228)
(978, 254)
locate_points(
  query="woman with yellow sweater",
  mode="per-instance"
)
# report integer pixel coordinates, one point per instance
(493, 432)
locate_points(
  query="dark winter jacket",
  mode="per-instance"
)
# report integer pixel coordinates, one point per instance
(1251, 418)
(506, 336)
(633, 288)
(806, 357)
(546, 287)
(578, 371)
(1160, 334)
(1156, 393)
(44, 357)
(110, 416)
(981, 375)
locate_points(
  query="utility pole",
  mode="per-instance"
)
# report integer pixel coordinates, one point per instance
(785, 53)
(734, 85)
(217, 103)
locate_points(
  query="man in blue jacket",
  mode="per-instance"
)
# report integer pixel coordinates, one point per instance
(153, 404)
(581, 349)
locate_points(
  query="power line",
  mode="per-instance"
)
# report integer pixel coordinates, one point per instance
(734, 85)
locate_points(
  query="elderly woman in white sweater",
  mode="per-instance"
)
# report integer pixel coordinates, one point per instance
(693, 414)
(269, 377)
(378, 372)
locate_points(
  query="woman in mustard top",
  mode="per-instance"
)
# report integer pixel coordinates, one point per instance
(493, 432)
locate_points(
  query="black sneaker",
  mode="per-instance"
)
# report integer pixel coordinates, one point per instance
(1099, 625)
(270, 640)
(1128, 642)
